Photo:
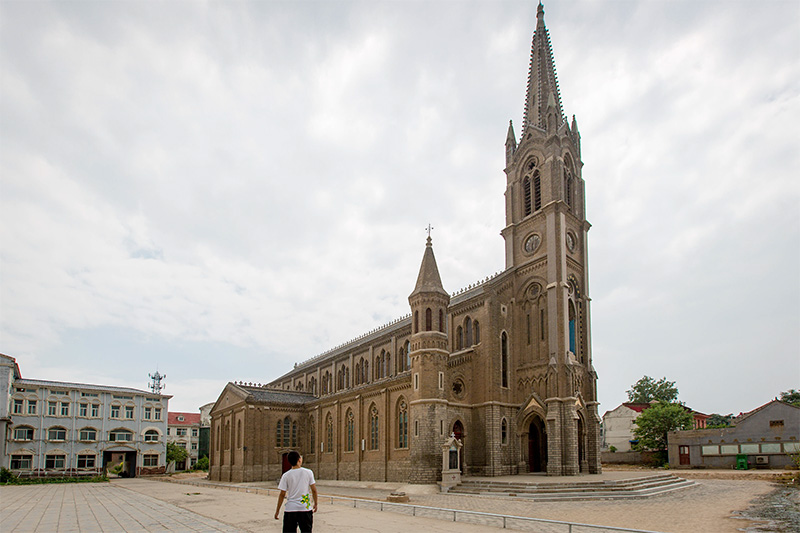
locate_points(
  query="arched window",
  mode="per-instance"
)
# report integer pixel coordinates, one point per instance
(416, 321)
(459, 338)
(428, 319)
(312, 445)
(151, 435)
(401, 360)
(504, 431)
(347, 377)
(504, 359)
(441, 321)
(349, 431)
(571, 327)
(373, 428)
(408, 355)
(537, 191)
(287, 426)
(402, 424)
(329, 435)
(468, 329)
(294, 433)
(278, 432)
(57, 433)
(526, 188)
(89, 434)
(120, 435)
(476, 327)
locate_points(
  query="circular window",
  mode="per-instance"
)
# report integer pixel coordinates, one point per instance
(571, 241)
(532, 243)
(458, 388)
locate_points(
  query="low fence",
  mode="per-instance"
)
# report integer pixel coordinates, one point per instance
(518, 523)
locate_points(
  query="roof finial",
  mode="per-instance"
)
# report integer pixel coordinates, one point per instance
(540, 15)
(429, 229)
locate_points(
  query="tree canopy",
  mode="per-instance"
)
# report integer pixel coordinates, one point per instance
(718, 421)
(647, 389)
(176, 453)
(791, 396)
(653, 424)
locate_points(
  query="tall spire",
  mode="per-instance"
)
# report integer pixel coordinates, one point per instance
(428, 279)
(542, 79)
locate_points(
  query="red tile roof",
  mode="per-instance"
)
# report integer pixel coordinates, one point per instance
(189, 419)
(638, 407)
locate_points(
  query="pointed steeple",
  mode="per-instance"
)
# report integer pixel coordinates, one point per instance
(542, 80)
(428, 280)
(511, 143)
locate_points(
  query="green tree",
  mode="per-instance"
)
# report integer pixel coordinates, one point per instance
(653, 424)
(175, 453)
(647, 389)
(718, 421)
(791, 396)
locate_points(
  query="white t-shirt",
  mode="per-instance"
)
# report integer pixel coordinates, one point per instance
(297, 484)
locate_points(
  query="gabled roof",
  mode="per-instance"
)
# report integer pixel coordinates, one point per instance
(638, 407)
(264, 395)
(748, 414)
(189, 419)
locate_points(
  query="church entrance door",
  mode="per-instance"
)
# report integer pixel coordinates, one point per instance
(537, 446)
(285, 463)
(458, 431)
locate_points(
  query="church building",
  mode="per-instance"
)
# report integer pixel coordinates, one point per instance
(505, 366)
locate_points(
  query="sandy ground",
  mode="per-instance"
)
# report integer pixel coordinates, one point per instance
(711, 506)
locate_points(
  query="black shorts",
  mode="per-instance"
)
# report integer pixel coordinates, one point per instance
(294, 519)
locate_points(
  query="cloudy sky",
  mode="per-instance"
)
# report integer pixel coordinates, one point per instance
(219, 190)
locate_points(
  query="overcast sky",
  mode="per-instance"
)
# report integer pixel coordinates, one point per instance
(220, 190)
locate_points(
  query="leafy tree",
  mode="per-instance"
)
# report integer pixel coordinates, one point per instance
(653, 424)
(647, 389)
(175, 453)
(201, 464)
(718, 421)
(791, 396)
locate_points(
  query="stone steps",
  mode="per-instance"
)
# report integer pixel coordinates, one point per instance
(641, 487)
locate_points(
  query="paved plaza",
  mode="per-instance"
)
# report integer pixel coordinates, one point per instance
(151, 505)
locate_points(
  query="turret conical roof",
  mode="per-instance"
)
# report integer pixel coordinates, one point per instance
(428, 280)
(543, 88)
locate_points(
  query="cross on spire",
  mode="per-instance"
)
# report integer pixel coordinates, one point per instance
(428, 229)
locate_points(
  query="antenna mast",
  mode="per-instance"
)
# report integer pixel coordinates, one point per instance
(155, 385)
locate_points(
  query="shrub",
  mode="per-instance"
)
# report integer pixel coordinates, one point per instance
(201, 464)
(7, 476)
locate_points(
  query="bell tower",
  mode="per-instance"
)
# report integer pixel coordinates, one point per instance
(546, 246)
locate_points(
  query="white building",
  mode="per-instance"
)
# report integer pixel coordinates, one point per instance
(183, 430)
(56, 428)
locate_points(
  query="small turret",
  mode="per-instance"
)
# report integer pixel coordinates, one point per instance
(511, 143)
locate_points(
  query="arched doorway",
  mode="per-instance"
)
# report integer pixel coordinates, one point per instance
(582, 464)
(537, 445)
(458, 432)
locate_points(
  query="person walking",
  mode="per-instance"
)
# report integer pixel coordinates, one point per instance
(295, 486)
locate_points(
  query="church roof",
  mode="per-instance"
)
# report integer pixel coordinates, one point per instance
(543, 88)
(428, 279)
(264, 395)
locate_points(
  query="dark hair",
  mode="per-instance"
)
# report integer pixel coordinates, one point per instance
(293, 458)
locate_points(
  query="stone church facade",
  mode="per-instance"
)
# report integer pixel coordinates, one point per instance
(505, 365)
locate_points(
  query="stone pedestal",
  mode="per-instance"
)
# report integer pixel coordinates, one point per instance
(451, 458)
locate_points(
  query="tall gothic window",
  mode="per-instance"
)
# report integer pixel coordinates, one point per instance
(402, 424)
(408, 355)
(537, 191)
(373, 428)
(287, 426)
(349, 431)
(329, 434)
(441, 321)
(526, 188)
(504, 432)
(571, 327)
(468, 329)
(476, 328)
(416, 321)
(459, 338)
(428, 319)
(504, 359)
(311, 441)
(401, 360)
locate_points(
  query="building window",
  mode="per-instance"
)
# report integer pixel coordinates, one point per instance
(402, 424)
(373, 428)
(148, 413)
(115, 411)
(329, 425)
(54, 461)
(571, 327)
(408, 355)
(349, 431)
(416, 428)
(183, 445)
(151, 435)
(19, 406)
(194, 432)
(441, 380)
(52, 408)
(526, 191)
(504, 431)
(23, 433)
(64, 409)
(278, 427)
(311, 435)
(95, 410)
(504, 359)
(401, 360)
(83, 410)
(31, 407)
(441, 321)
(157, 413)
(287, 426)
(129, 412)
(541, 324)
(294, 433)
(86, 461)
(21, 462)
(416, 381)
(120, 435)
(180, 432)
(57, 434)
(468, 330)
(150, 460)
(87, 434)
(459, 338)
(194, 446)
(416, 321)
(428, 319)
(476, 328)
(537, 191)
